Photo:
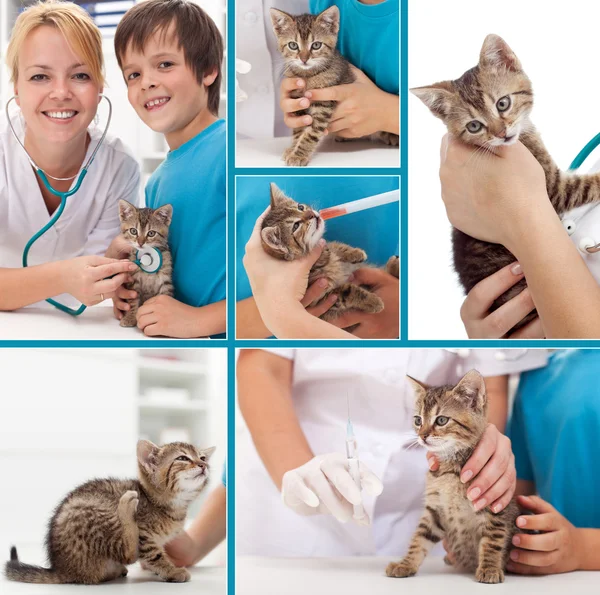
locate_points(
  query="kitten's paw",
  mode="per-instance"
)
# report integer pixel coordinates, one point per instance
(489, 575)
(129, 502)
(357, 256)
(128, 321)
(373, 305)
(393, 267)
(401, 569)
(293, 160)
(341, 139)
(124, 571)
(287, 153)
(388, 138)
(179, 575)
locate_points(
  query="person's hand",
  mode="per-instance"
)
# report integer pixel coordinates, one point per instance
(491, 470)
(87, 277)
(315, 291)
(119, 248)
(362, 107)
(324, 486)
(481, 324)
(384, 324)
(491, 195)
(554, 550)
(120, 306)
(181, 549)
(166, 317)
(289, 105)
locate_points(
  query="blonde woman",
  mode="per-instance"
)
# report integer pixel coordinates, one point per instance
(56, 67)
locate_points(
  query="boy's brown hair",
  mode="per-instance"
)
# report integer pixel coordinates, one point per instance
(196, 33)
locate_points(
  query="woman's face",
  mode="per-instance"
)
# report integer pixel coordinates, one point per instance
(54, 88)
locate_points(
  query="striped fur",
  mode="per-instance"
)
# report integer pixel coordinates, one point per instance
(480, 541)
(147, 228)
(291, 230)
(320, 66)
(106, 524)
(474, 97)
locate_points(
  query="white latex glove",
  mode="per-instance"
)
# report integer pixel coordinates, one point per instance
(324, 486)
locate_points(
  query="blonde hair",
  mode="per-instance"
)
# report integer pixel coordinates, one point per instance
(73, 22)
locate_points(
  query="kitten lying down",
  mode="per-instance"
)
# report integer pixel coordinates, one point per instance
(105, 524)
(450, 421)
(291, 230)
(489, 106)
(307, 43)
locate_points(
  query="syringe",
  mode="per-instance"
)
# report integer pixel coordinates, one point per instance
(354, 464)
(361, 204)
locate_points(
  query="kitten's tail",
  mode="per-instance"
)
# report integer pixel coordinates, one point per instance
(24, 573)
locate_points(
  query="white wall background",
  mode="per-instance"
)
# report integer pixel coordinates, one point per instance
(557, 44)
(67, 416)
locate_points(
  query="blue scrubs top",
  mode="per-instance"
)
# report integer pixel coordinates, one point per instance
(375, 230)
(192, 179)
(369, 38)
(554, 430)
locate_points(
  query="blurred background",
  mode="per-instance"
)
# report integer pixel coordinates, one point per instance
(148, 147)
(67, 416)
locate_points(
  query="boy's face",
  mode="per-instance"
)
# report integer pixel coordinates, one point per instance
(161, 87)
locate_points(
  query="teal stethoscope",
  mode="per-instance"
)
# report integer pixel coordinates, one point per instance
(148, 259)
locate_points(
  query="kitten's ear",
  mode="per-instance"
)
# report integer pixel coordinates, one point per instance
(471, 390)
(419, 388)
(277, 195)
(146, 454)
(496, 54)
(164, 214)
(438, 97)
(208, 452)
(282, 21)
(329, 20)
(272, 238)
(126, 210)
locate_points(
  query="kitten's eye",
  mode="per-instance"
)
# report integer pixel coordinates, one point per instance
(316, 45)
(474, 126)
(293, 45)
(183, 458)
(301, 207)
(441, 420)
(418, 421)
(151, 234)
(295, 226)
(503, 103)
(133, 231)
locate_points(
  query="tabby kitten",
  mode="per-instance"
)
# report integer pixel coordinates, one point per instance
(307, 43)
(106, 524)
(291, 230)
(146, 228)
(489, 106)
(449, 422)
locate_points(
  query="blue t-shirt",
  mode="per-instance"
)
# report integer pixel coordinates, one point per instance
(375, 230)
(554, 427)
(369, 38)
(192, 179)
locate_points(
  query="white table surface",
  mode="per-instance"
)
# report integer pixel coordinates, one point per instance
(267, 152)
(364, 576)
(50, 324)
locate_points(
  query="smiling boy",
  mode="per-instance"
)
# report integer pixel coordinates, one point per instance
(170, 53)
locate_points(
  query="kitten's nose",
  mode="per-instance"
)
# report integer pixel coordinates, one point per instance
(502, 133)
(141, 241)
(424, 438)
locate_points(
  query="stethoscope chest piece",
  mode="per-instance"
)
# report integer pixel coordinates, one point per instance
(149, 259)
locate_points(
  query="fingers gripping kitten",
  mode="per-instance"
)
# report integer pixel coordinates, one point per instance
(106, 524)
(450, 421)
(291, 230)
(147, 228)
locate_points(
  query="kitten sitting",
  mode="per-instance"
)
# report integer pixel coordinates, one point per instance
(291, 230)
(144, 228)
(106, 524)
(307, 44)
(489, 106)
(449, 422)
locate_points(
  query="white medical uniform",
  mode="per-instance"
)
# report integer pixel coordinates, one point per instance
(259, 116)
(382, 410)
(90, 220)
(583, 224)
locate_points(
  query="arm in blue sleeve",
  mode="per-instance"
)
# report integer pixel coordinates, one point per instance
(516, 432)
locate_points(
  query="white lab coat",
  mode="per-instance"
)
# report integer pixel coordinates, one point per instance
(382, 409)
(91, 218)
(259, 116)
